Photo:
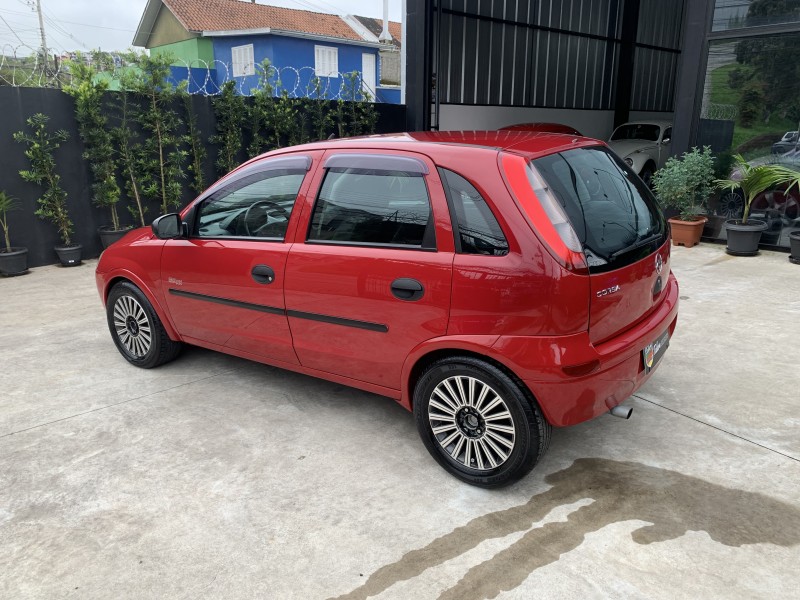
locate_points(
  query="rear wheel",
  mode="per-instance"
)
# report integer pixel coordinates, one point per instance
(136, 329)
(479, 423)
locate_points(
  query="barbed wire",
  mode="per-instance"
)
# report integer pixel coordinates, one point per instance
(23, 66)
(722, 112)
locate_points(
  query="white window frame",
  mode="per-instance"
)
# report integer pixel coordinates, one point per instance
(326, 61)
(243, 60)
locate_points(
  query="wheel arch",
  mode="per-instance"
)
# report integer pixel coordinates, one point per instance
(128, 277)
(422, 358)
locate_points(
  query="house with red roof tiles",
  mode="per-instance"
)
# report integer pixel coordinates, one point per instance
(213, 41)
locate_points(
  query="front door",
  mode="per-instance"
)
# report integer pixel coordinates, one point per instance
(224, 283)
(372, 279)
(368, 75)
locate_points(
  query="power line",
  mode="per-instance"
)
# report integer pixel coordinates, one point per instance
(11, 30)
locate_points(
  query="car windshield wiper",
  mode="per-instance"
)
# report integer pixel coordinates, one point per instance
(635, 245)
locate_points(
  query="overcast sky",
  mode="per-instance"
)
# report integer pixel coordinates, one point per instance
(110, 24)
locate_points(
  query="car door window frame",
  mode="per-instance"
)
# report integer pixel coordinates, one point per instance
(245, 176)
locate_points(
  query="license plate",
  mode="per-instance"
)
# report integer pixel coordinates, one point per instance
(652, 353)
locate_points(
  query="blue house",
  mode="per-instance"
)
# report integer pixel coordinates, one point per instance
(214, 41)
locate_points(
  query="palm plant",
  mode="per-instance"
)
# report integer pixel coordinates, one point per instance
(757, 179)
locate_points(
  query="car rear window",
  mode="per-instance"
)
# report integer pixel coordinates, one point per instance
(376, 207)
(614, 215)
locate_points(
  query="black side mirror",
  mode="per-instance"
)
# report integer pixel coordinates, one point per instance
(168, 227)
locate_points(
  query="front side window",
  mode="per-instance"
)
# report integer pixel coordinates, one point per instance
(257, 206)
(373, 207)
(478, 230)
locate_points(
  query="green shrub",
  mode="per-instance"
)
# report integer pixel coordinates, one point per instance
(686, 183)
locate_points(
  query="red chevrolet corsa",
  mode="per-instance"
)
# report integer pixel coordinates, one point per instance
(496, 283)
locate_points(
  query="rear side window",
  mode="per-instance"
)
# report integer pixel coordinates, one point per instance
(613, 214)
(477, 229)
(373, 207)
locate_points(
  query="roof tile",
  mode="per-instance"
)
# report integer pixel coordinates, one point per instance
(228, 15)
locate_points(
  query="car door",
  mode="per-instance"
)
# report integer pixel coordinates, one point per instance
(369, 277)
(224, 282)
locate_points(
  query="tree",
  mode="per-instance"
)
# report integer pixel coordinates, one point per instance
(88, 92)
(230, 110)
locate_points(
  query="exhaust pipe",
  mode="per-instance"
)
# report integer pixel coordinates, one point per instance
(623, 412)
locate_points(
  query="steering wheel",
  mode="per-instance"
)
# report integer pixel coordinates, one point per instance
(266, 206)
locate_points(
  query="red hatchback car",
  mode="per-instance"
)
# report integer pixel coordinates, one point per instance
(497, 284)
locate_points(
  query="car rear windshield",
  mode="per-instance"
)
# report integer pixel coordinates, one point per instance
(613, 213)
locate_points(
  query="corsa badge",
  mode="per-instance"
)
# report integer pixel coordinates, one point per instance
(659, 264)
(608, 291)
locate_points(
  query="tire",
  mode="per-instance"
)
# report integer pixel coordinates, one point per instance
(647, 175)
(136, 329)
(496, 457)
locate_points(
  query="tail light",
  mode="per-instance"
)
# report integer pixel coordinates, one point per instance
(544, 213)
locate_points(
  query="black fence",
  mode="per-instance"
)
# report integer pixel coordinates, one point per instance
(40, 237)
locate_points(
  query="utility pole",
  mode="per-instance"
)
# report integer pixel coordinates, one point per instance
(41, 29)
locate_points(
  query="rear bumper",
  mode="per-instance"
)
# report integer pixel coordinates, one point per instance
(552, 367)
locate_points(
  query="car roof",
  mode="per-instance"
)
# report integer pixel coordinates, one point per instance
(530, 144)
(647, 122)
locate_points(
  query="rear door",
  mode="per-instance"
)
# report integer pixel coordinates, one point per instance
(370, 277)
(624, 236)
(224, 283)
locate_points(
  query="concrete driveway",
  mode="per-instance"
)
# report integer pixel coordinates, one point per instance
(214, 477)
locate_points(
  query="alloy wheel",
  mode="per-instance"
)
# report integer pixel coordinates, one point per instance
(132, 326)
(471, 422)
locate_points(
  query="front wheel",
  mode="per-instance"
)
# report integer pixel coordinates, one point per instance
(136, 329)
(478, 423)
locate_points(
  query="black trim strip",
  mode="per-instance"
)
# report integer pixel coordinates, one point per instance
(379, 327)
(259, 307)
(338, 321)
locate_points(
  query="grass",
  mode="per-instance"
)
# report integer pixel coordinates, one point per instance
(722, 93)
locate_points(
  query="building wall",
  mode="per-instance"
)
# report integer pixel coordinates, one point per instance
(196, 52)
(294, 56)
(390, 67)
(167, 29)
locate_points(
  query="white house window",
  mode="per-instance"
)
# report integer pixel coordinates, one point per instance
(326, 61)
(243, 60)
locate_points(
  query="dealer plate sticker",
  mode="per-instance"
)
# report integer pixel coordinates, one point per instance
(652, 353)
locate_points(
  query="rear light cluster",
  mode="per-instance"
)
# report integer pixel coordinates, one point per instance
(544, 213)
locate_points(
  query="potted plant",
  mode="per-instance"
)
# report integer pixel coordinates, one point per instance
(685, 184)
(744, 234)
(88, 92)
(42, 145)
(13, 260)
(794, 244)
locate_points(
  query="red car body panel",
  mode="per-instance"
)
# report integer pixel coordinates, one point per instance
(578, 352)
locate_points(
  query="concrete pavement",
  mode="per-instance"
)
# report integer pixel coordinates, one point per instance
(214, 477)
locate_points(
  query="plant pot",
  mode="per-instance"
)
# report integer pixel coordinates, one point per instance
(794, 244)
(14, 262)
(69, 256)
(687, 233)
(108, 236)
(713, 228)
(743, 239)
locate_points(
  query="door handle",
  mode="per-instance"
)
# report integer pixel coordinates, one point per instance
(263, 274)
(407, 289)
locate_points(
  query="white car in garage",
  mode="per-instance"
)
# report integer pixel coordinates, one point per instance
(643, 145)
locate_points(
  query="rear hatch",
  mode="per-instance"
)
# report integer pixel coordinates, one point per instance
(619, 228)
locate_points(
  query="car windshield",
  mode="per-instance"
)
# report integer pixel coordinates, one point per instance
(614, 215)
(637, 131)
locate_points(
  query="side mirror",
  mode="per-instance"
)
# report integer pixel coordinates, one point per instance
(168, 227)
